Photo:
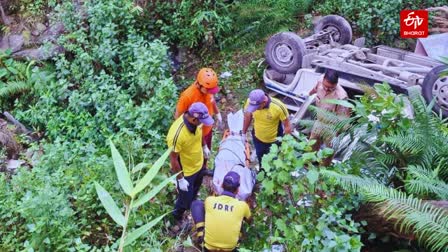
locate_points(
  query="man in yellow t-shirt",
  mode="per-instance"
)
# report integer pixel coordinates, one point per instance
(218, 220)
(271, 119)
(185, 136)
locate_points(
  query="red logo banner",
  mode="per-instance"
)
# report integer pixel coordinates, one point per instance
(414, 24)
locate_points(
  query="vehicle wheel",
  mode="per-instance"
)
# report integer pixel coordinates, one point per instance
(436, 87)
(342, 29)
(284, 52)
(280, 77)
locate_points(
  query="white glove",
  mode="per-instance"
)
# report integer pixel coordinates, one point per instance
(206, 151)
(183, 184)
(220, 122)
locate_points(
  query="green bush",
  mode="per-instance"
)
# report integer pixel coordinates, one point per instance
(254, 20)
(114, 80)
(192, 24)
(298, 208)
(106, 81)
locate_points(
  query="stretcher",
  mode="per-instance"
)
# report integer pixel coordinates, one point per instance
(233, 155)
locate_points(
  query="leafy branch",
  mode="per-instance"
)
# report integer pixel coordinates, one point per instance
(132, 191)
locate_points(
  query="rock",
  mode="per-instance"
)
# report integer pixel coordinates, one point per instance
(16, 42)
(13, 42)
(52, 33)
(41, 53)
(12, 165)
(4, 43)
(8, 142)
(40, 27)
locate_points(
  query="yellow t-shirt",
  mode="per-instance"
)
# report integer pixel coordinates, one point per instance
(266, 120)
(187, 144)
(223, 218)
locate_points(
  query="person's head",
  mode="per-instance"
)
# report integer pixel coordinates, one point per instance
(231, 182)
(257, 100)
(198, 113)
(207, 81)
(330, 81)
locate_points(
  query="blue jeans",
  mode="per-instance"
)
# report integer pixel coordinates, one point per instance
(262, 148)
(184, 199)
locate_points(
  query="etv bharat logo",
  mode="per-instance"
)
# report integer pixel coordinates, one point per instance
(414, 24)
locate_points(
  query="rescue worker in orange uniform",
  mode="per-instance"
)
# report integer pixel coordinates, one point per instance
(202, 90)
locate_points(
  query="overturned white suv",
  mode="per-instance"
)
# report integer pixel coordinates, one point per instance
(296, 64)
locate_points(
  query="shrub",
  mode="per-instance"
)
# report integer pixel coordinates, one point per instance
(254, 20)
(110, 82)
(299, 208)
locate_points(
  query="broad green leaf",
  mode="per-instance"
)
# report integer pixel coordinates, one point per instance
(188, 243)
(343, 103)
(122, 172)
(269, 187)
(141, 230)
(109, 204)
(3, 72)
(143, 199)
(139, 167)
(309, 157)
(299, 228)
(144, 182)
(12, 70)
(281, 225)
(312, 176)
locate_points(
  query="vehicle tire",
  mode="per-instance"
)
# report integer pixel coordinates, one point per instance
(274, 75)
(284, 52)
(280, 77)
(436, 87)
(343, 31)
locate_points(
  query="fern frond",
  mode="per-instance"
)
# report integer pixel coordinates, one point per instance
(428, 223)
(407, 144)
(348, 181)
(424, 182)
(12, 88)
(410, 214)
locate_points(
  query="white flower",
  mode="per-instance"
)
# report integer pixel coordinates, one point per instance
(373, 118)
(295, 174)
(304, 202)
(225, 75)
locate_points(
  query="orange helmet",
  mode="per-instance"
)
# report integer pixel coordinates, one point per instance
(208, 79)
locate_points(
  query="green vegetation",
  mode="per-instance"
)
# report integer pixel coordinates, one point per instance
(127, 185)
(115, 82)
(299, 208)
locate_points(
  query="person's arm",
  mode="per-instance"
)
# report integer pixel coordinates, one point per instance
(247, 121)
(343, 111)
(182, 106)
(175, 165)
(215, 106)
(287, 126)
(314, 90)
(247, 216)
